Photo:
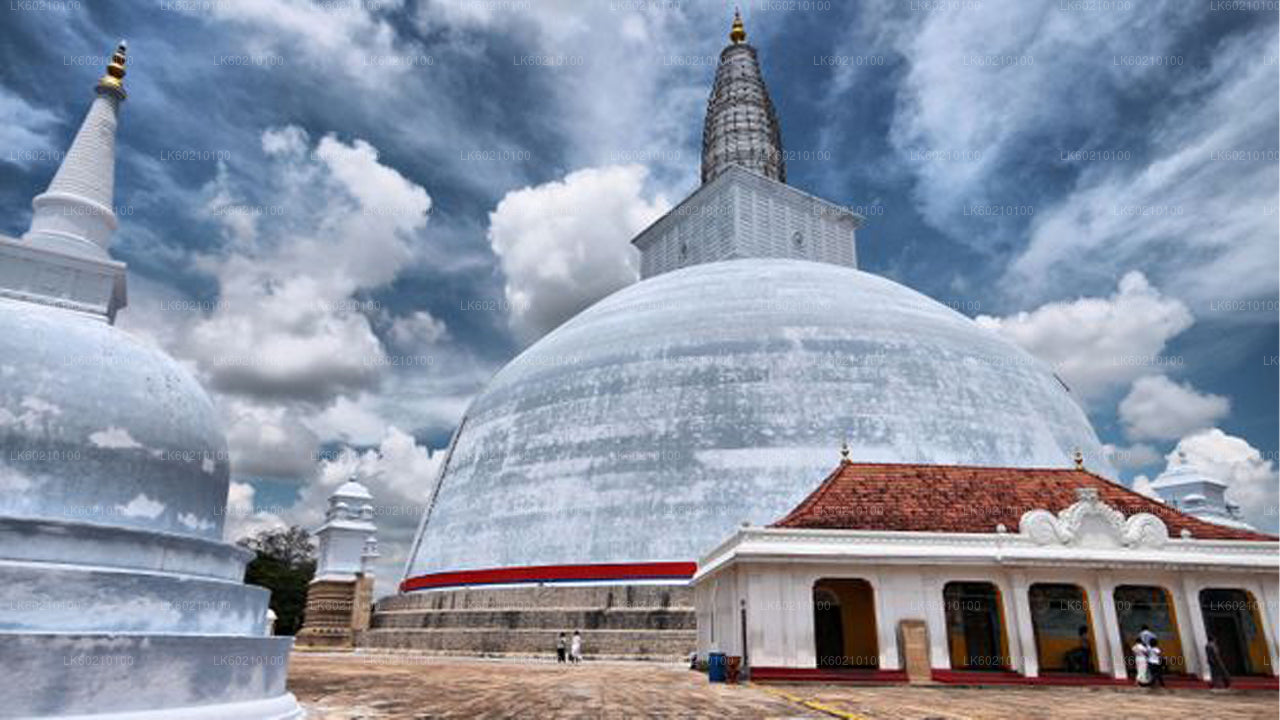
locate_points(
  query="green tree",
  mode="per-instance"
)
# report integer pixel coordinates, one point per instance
(284, 563)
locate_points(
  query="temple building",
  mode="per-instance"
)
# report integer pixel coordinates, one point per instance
(340, 596)
(598, 466)
(981, 575)
(120, 597)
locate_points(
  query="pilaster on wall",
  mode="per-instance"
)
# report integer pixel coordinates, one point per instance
(886, 629)
(936, 620)
(1185, 612)
(1097, 624)
(1025, 635)
(1191, 596)
(1111, 642)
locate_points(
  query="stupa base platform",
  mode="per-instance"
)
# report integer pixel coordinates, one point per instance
(649, 622)
(144, 676)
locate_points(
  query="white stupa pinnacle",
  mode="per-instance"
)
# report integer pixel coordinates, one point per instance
(74, 215)
(62, 260)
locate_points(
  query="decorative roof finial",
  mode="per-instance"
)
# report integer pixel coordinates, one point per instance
(844, 452)
(739, 33)
(112, 83)
(1079, 458)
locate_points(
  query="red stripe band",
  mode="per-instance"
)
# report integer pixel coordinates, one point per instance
(553, 573)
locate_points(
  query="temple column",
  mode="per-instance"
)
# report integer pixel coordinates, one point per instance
(1112, 643)
(1025, 635)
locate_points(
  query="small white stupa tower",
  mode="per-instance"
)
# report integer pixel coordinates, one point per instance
(340, 596)
(1188, 488)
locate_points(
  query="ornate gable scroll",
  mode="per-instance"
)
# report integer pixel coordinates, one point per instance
(1090, 522)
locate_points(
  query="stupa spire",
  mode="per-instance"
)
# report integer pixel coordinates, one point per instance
(738, 33)
(741, 126)
(62, 261)
(74, 215)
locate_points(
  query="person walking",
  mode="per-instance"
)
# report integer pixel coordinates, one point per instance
(575, 649)
(1219, 677)
(1155, 663)
(1141, 672)
(560, 648)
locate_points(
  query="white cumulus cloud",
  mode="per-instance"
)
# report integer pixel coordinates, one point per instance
(335, 222)
(244, 519)
(565, 244)
(1099, 344)
(1158, 408)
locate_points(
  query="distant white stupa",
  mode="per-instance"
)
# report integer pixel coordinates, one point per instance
(118, 597)
(340, 597)
(1187, 487)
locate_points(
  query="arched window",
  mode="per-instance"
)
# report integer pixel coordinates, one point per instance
(1231, 620)
(844, 624)
(1150, 607)
(1060, 616)
(975, 626)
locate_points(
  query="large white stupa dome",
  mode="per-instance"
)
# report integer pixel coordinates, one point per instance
(649, 426)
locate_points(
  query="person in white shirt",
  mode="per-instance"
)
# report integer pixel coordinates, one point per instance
(1142, 675)
(1155, 663)
(575, 647)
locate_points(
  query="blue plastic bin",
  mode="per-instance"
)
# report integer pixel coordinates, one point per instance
(716, 667)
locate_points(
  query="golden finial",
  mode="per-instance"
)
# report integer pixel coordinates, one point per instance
(113, 81)
(844, 452)
(739, 33)
(1079, 458)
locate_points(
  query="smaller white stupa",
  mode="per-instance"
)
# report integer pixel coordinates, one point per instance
(348, 528)
(118, 597)
(340, 596)
(1188, 488)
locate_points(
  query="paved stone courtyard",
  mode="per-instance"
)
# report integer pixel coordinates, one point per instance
(383, 687)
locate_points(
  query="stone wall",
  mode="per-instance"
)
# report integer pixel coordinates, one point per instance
(616, 621)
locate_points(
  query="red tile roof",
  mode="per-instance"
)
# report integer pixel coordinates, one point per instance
(946, 498)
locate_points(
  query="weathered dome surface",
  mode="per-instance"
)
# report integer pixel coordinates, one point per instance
(652, 424)
(97, 427)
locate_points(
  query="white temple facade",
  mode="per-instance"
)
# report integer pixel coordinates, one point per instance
(119, 597)
(946, 574)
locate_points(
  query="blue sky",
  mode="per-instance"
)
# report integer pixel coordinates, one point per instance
(385, 200)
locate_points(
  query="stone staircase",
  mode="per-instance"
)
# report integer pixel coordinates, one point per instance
(616, 621)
